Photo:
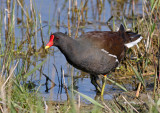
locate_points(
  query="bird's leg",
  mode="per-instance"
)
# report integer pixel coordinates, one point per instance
(95, 82)
(104, 84)
(98, 83)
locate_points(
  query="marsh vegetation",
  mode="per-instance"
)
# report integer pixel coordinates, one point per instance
(37, 80)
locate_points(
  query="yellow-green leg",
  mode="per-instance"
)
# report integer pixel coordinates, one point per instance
(104, 84)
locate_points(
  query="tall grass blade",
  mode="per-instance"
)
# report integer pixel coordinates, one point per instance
(16, 106)
(13, 110)
(117, 84)
(154, 5)
(18, 86)
(138, 75)
(33, 70)
(89, 99)
(152, 28)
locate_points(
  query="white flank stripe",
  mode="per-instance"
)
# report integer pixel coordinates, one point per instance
(110, 54)
(131, 44)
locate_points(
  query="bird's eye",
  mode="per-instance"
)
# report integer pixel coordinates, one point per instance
(56, 37)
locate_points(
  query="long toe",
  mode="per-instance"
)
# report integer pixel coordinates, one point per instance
(98, 83)
(98, 89)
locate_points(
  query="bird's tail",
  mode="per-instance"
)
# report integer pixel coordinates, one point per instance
(133, 39)
(130, 37)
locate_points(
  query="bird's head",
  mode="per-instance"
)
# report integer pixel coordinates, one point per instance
(55, 39)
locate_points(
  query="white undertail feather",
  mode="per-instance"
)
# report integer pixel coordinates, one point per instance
(131, 44)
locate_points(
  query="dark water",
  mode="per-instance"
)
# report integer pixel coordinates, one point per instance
(48, 9)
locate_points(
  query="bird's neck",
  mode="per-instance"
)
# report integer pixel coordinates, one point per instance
(68, 46)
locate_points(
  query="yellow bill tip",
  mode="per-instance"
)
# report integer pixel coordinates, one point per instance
(47, 47)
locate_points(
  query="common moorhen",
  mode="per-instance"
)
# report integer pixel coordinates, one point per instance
(96, 52)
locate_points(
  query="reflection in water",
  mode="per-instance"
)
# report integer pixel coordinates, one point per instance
(46, 83)
(35, 23)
